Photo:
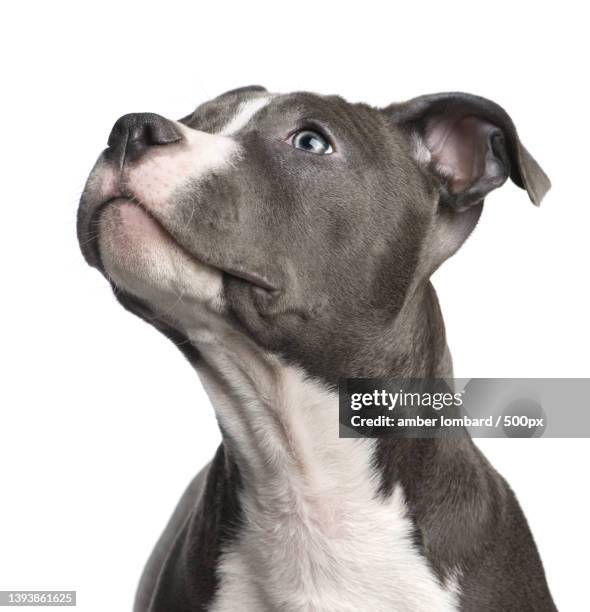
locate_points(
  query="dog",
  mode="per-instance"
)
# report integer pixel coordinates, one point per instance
(284, 242)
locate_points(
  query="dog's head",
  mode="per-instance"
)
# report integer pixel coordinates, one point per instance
(303, 221)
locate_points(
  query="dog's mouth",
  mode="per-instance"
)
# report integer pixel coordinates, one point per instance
(258, 281)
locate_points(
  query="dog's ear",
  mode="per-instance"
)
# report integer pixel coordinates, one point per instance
(470, 146)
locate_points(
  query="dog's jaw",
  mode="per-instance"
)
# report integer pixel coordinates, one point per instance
(140, 257)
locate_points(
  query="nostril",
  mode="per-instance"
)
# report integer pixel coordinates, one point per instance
(134, 133)
(160, 131)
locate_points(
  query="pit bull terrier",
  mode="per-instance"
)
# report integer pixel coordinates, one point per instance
(284, 242)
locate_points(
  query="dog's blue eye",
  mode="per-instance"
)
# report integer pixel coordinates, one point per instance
(312, 142)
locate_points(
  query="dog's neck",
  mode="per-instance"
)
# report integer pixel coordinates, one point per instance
(281, 426)
(311, 505)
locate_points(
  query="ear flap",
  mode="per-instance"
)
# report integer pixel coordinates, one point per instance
(470, 145)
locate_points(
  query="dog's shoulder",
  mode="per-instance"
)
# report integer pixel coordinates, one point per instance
(161, 552)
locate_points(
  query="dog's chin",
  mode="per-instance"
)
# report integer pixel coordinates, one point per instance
(141, 258)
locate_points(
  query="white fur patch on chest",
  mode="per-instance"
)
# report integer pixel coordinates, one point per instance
(316, 535)
(361, 558)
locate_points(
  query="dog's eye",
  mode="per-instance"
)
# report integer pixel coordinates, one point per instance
(312, 142)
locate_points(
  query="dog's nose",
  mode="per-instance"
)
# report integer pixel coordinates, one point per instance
(133, 134)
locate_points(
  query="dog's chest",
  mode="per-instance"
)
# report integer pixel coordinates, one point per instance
(323, 555)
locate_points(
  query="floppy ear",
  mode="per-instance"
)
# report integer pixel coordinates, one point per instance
(470, 146)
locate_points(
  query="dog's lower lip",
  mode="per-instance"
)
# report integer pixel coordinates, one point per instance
(257, 280)
(90, 241)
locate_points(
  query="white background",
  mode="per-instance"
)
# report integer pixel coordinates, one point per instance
(102, 423)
